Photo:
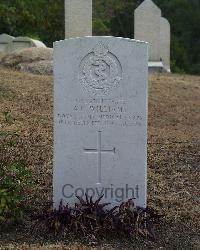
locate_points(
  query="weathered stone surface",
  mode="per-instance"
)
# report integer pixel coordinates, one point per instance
(147, 27)
(20, 43)
(78, 18)
(4, 41)
(2, 55)
(100, 119)
(155, 67)
(39, 68)
(33, 60)
(165, 43)
(151, 27)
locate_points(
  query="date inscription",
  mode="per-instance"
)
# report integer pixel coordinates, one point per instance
(100, 112)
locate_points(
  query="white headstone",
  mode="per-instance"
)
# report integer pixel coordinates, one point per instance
(165, 43)
(151, 27)
(24, 42)
(4, 41)
(100, 119)
(78, 18)
(147, 27)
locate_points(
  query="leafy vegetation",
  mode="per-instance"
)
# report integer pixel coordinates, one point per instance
(44, 19)
(93, 221)
(15, 179)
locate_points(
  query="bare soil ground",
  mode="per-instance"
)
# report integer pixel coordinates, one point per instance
(173, 158)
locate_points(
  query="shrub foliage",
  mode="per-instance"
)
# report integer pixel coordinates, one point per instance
(15, 179)
(92, 220)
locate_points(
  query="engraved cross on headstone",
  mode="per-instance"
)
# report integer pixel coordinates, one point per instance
(99, 152)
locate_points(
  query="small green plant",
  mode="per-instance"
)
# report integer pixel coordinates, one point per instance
(9, 138)
(15, 179)
(8, 117)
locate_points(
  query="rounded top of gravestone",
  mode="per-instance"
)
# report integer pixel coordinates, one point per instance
(34, 43)
(165, 21)
(90, 38)
(6, 38)
(148, 5)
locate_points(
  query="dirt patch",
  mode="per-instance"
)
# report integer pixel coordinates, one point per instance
(173, 157)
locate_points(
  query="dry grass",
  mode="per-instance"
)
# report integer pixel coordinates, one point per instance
(173, 156)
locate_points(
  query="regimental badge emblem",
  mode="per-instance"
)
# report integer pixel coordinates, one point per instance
(100, 71)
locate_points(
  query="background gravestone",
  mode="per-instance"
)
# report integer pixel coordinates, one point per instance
(165, 42)
(78, 18)
(4, 41)
(100, 119)
(147, 27)
(24, 42)
(151, 27)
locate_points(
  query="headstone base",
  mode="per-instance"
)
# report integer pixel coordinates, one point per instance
(155, 67)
